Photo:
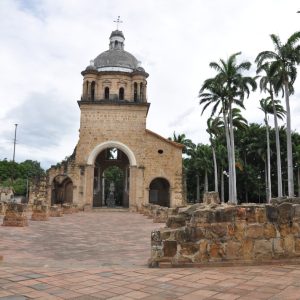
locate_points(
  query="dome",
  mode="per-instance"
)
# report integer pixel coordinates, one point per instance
(116, 58)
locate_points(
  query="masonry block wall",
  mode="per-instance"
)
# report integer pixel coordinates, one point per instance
(221, 233)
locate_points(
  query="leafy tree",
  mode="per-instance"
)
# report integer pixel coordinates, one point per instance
(267, 84)
(16, 175)
(283, 63)
(227, 88)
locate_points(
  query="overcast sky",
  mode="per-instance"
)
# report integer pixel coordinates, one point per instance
(46, 44)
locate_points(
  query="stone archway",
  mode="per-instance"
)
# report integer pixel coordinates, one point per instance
(159, 192)
(111, 169)
(112, 144)
(98, 164)
(62, 190)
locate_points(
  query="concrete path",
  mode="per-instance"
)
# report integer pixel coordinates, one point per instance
(103, 255)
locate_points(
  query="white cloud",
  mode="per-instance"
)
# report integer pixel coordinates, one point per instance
(46, 44)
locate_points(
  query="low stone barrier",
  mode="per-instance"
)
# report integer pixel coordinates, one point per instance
(158, 213)
(67, 209)
(56, 211)
(3, 206)
(75, 208)
(15, 215)
(202, 234)
(40, 211)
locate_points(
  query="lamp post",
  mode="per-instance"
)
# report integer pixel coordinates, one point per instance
(258, 177)
(15, 140)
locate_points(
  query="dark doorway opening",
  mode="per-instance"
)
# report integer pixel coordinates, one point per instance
(62, 190)
(111, 174)
(159, 192)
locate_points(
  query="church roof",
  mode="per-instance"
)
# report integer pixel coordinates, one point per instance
(116, 58)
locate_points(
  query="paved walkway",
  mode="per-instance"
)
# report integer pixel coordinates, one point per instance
(103, 255)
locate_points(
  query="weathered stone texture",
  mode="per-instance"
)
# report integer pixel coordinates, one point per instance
(56, 211)
(3, 206)
(211, 198)
(40, 211)
(15, 215)
(223, 233)
(67, 209)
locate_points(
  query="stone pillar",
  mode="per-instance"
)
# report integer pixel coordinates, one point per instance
(3, 206)
(15, 215)
(67, 208)
(211, 198)
(132, 186)
(40, 211)
(89, 184)
(55, 211)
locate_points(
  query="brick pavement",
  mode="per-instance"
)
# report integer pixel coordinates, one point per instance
(103, 255)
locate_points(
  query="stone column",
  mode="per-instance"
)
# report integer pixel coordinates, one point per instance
(40, 211)
(132, 186)
(89, 185)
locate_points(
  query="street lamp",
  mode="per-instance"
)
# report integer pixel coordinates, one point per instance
(258, 177)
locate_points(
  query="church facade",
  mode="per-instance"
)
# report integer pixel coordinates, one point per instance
(113, 139)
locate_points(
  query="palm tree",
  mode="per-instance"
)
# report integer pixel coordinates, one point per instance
(201, 157)
(283, 65)
(267, 84)
(269, 106)
(266, 107)
(229, 87)
(187, 149)
(213, 92)
(181, 139)
(214, 128)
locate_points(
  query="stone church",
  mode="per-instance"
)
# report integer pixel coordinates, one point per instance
(113, 134)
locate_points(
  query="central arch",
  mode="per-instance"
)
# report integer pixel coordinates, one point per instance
(111, 179)
(112, 144)
(125, 160)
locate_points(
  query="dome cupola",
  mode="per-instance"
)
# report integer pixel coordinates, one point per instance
(115, 75)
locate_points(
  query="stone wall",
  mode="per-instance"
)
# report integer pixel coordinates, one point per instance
(38, 190)
(15, 215)
(204, 234)
(159, 214)
(6, 194)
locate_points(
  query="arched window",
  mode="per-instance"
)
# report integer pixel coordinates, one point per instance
(121, 93)
(106, 93)
(116, 44)
(93, 84)
(142, 92)
(135, 92)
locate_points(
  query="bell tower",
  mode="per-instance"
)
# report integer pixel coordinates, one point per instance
(115, 75)
(113, 136)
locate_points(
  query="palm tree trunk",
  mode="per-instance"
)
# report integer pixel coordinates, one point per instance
(205, 182)
(289, 143)
(278, 157)
(233, 182)
(269, 186)
(215, 165)
(229, 157)
(222, 185)
(246, 172)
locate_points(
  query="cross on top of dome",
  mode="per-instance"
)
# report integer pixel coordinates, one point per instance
(118, 21)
